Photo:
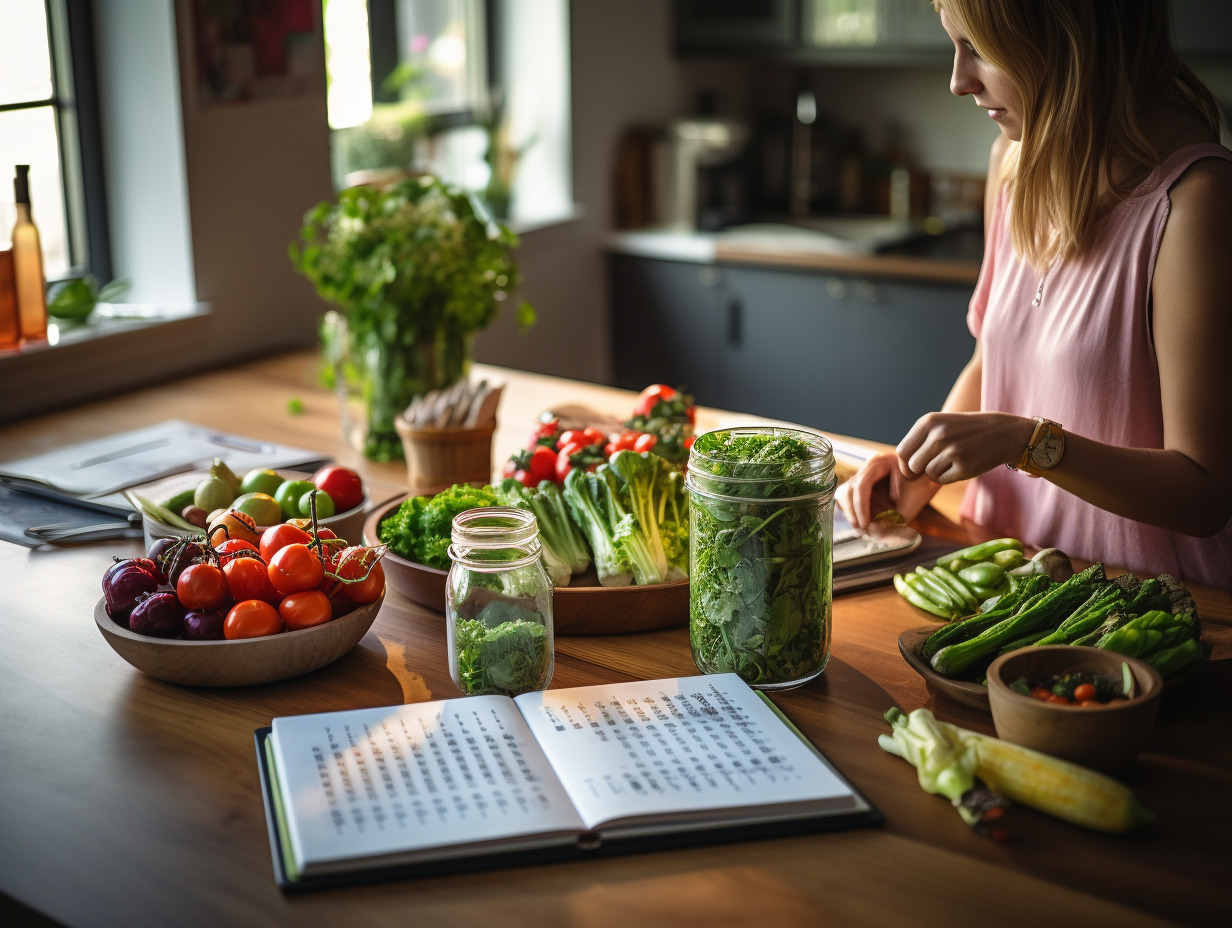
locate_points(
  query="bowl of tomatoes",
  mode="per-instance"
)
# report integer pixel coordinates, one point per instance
(1088, 705)
(243, 611)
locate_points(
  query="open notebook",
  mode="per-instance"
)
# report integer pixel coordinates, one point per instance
(488, 781)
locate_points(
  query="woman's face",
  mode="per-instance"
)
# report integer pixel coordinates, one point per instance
(991, 88)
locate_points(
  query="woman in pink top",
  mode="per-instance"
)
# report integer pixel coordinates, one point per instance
(1096, 412)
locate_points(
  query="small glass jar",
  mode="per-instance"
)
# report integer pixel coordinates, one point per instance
(761, 528)
(498, 604)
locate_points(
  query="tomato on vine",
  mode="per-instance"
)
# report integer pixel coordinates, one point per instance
(295, 568)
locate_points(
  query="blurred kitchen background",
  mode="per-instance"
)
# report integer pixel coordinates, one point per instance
(773, 203)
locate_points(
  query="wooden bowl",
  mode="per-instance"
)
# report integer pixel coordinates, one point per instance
(1104, 737)
(582, 608)
(240, 662)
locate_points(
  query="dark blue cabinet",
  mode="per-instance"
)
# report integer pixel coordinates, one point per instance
(854, 355)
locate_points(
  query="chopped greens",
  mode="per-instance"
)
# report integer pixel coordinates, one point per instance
(504, 649)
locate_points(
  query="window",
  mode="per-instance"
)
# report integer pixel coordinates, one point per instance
(49, 120)
(409, 88)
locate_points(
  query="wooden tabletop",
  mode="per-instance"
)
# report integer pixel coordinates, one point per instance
(127, 801)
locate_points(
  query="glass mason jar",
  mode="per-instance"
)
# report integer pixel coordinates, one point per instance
(498, 604)
(761, 528)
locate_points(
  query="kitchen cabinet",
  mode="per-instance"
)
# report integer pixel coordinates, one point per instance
(852, 354)
(847, 32)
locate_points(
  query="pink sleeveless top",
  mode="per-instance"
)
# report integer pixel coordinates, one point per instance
(1085, 357)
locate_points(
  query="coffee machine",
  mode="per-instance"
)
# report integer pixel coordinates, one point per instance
(700, 175)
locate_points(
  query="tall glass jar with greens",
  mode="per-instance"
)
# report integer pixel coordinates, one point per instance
(761, 526)
(498, 604)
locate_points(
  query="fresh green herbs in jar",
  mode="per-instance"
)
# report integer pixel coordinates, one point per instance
(760, 554)
(498, 604)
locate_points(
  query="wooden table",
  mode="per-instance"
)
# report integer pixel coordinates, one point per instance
(127, 801)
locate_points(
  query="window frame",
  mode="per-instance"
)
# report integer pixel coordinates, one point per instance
(75, 110)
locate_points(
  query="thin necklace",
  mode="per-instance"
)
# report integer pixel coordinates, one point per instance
(1039, 291)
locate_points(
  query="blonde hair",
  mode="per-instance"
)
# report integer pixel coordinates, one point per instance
(1082, 68)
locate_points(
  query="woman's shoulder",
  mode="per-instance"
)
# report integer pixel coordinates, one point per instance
(1203, 185)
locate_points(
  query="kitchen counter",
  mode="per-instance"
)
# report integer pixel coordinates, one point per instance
(127, 801)
(951, 257)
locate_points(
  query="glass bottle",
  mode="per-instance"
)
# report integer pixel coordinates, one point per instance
(10, 322)
(31, 285)
(498, 604)
(761, 529)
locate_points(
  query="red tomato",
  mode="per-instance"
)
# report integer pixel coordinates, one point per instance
(563, 464)
(571, 437)
(592, 436)
(294, 569)
(542, 464)
(248, 578)
(229, 550)
(361, 576)
(202, 587)
(276, 537)
(524, 477)
(645, 442)
(252, 618)
(305, 609)
(323, 533)
(344, 486)
(650, 397)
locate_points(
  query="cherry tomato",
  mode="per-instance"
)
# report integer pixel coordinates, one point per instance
(325, 534)
(202, 587)
(344, 486)
(248, 578)
(592, 436)
(524, 477)
(650, 397)
(645, 442)
(1085, 692)
(276, 537)
(305, 609)
(294, 569)
(253, 618)
(571, 437)
(563, 464)
(542, 464)
(361, 574)
(230, 549)
(233, 524)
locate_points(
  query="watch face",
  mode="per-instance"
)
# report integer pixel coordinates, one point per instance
(1047, 450)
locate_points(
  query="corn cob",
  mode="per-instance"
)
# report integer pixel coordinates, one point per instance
(1057, 787)
(949, 759)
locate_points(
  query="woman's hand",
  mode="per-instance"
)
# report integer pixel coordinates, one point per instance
(947, 447)
(878, 486)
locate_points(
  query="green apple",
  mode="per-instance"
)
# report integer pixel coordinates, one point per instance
(263, 508)
(325, 504)
(289, 494)
(262, 480)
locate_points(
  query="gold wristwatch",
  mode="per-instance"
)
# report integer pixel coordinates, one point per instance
(1044, 450)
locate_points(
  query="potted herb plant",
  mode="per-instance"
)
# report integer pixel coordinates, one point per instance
(417, 268)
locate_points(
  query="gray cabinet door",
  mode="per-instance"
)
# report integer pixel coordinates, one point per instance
(664, 317)
(848, 355)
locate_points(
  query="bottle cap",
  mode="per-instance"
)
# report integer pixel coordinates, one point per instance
(21, 184)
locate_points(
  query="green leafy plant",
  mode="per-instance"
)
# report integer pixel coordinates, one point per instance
(417, 268)
(503, 650)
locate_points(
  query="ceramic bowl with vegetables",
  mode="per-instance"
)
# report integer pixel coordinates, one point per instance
(1093, 707)
(190, 504)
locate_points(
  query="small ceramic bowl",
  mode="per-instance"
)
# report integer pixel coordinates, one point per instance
(348, 525)
(1104, 737)
(242, 661)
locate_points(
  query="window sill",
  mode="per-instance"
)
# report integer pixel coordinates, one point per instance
(83, 362)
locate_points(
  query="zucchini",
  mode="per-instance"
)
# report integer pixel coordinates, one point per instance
(1046, 612)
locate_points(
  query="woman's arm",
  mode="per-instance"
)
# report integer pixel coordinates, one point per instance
(1186, 486)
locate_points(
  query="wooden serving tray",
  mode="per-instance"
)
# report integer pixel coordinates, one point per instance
(582, 608)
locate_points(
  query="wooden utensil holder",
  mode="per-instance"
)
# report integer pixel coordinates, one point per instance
(437, 458)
